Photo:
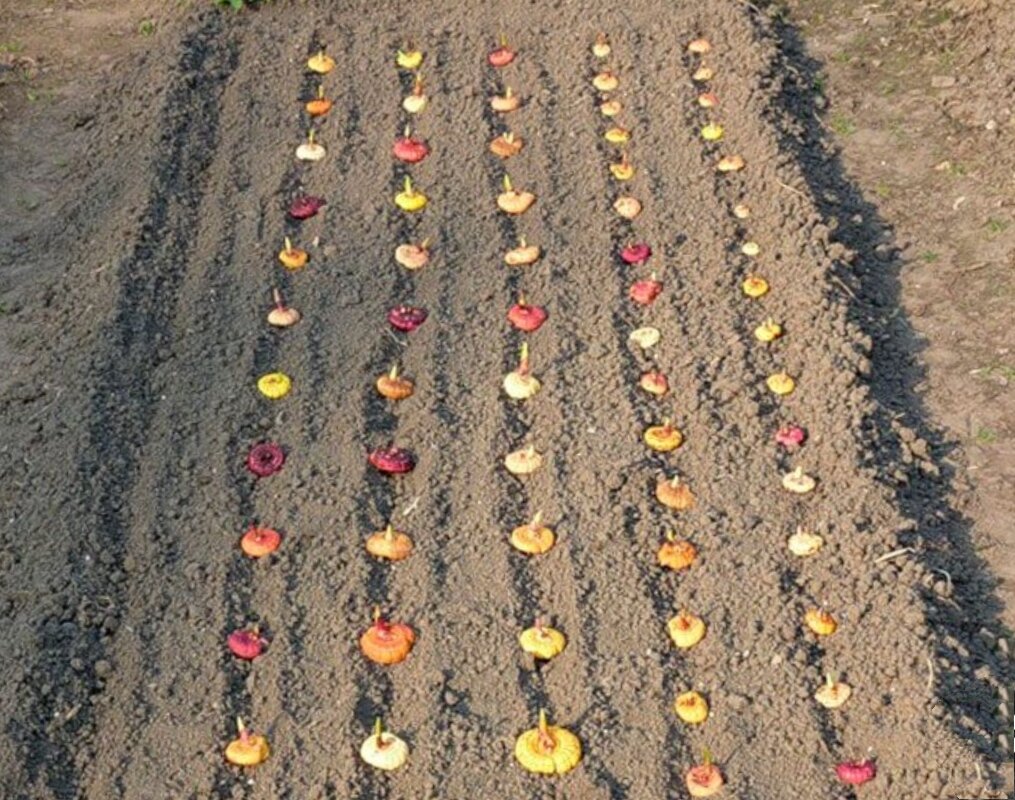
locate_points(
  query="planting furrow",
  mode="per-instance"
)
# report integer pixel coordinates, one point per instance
(688, 373)
(276, 688)
(430, 708)
(567, 593)
(551, 577)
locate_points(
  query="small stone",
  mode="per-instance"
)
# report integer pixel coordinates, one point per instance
(103, 669)
(943, 81)
(737, 702)
(459, 731)
(907, 435)
(884, 252)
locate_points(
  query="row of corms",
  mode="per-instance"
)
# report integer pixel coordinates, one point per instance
(545, 749)
(385, 642)
(265, 459)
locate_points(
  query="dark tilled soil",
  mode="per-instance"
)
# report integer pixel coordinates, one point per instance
(126, 492)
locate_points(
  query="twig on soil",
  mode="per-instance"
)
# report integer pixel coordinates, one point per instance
(947, 575)
(412, 506)
(736, 751)
(404, 344)
(894, 554)
(39, 413)
(838, 282)
(63, 719)
(791, 188)
(930, 676)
